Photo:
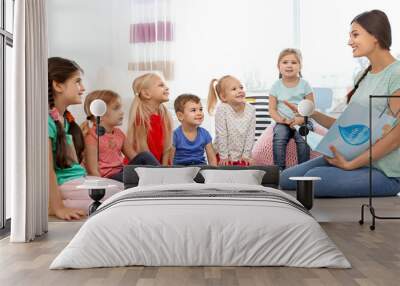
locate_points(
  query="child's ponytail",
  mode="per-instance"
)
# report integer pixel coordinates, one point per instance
(61, 158)
(212, 96)
(351, 92)
(77, 136)
(168, 127)
(216, 88)
(85, 126)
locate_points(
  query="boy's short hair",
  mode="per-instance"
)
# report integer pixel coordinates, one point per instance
(181, 100)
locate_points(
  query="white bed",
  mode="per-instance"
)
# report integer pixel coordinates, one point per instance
(224, 225)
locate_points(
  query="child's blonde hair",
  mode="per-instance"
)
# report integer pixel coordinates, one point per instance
(294, 52)
(214, 93)
(139, 117)
(108, 96)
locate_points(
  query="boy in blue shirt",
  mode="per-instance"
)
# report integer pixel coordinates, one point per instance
(190, 140)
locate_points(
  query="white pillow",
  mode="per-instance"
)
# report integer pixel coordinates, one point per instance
(166, 176)
(248, 177)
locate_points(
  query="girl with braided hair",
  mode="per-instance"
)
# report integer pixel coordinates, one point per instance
(66, 143)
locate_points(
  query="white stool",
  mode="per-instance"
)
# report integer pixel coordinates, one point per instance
(97, 190)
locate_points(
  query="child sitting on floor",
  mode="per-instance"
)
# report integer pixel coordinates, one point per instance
(113, 143)
(190, 140)
(235, 121)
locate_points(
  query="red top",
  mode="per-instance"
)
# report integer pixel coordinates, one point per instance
(155, 137)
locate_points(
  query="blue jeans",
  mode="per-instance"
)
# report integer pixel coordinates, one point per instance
(338, 183)
(143, 158)
(282, 135)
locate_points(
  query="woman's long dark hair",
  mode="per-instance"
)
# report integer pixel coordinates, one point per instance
(60, 70)
(377, 24)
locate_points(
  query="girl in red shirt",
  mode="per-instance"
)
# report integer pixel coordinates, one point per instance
(150, 123)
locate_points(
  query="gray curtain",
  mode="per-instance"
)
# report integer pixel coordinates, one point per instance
(27, 137)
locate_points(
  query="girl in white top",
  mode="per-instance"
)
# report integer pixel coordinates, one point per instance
(235, 121)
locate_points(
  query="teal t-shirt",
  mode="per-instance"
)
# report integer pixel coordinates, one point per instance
(75, 171)
(291, 94)
(386, 82)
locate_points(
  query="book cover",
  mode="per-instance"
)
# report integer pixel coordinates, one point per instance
(350, 133)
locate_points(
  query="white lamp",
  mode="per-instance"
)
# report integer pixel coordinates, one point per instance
(306, 108)
(98, 108)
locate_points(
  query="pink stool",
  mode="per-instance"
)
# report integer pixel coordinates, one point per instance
(262, 150)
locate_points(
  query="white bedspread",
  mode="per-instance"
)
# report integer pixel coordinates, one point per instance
(183, 231)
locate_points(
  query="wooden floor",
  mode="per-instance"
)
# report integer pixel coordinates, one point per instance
(374, 255)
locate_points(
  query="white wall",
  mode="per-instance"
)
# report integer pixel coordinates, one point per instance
(95, 34)
(215, 38)
(212, 39)
(325, 28)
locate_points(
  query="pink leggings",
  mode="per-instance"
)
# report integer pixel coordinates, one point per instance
(79, 198)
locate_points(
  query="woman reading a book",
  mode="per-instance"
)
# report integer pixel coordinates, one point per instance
(370, 36)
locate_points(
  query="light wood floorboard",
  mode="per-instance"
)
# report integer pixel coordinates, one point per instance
(374, 255)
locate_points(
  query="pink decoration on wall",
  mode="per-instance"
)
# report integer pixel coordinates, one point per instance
(147, 32)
